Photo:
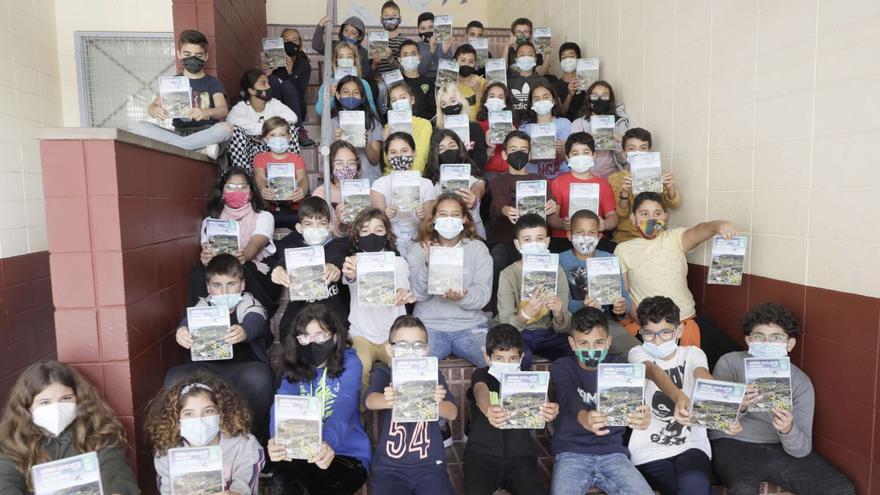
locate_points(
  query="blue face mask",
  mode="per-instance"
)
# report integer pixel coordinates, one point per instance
(278, 144)
(230, 301)
(591, 357)
(350, 102)
(768, 350)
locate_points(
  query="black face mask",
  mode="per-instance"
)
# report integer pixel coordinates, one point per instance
(193, 65)
(448, 156)
(316, 354)
(600, 106)
(372, 243)
(426, 35)
(466, 70)
(452, 109)
(518, 159)
(263, 94)
(291, 48)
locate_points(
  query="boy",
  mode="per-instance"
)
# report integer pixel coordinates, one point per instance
(520, 33)
(429, 50)
(410, 457)
(289, 83)
(636, 139)
(544, 317)
(656, 263)
(204, 131)
(249, 370)
(774, 446)
(470, 85)
(571, 97)
(391, 22)
(495, 457)
(421, 86)
(475, 29)
(587, 451)
(523, 76)
(351, 31)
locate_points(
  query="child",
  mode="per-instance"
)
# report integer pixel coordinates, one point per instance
(600, 101)
(421, 85)
(544, 317)
(53, 413)
(344, 165)
(203, 410)
(775, 446)
(496, 97)
(351, 31)
(447, 148)
(290, 82)
(475, 29)
(524, 76)
(350, 97)
(401, 97)
(495, 457)
(587, 451)
(409, 458)
(543, 108)
(371, 232)
(399, 151)
(204, 130)
(317, 361)
(249, 370)
(520, 34)
(429, 50)
(344, 57)
(450, 101)
(656, 264)
(455, 320)
(276, 135)
(390, 17)
(470, 84)
(571, 96)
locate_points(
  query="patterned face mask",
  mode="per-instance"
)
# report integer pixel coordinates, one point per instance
(401, 163)
(651, 228)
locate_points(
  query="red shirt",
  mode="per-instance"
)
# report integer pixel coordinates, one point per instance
(560, 189)
(497, 163)
(262, 160)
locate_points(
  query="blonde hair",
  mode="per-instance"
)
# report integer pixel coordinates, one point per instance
(357, 57)
(444, 91)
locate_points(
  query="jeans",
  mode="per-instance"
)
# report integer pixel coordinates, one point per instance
(544, 342)
(687, 473)
(344, 476)
(575, 473)
(215, 134)
(503, 254)
(406, 480)
(467, 344)
(518, 475)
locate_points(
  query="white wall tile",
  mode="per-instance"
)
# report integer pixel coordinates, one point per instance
(846, 160)
(845, 214)
(783, 166)
(850, 106)
(780, 258)
(689, 171)
(784, 213)
(13, 242)
(844, 266)
(733, 206)
(731, 170)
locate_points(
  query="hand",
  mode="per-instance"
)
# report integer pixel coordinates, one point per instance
(206, 255)
(338, 134)
(682, 410)
(403, 296)
(388, 53)
(264, 66)
(566, 223)
(268, 194)
(324, 20)
(734, 428)
(534, 306)
(574, 86)
(639, 419)
(601, 224)
(333, 88)
(490, 151)
(446, 45)
(510, 213)
(454, 295)
(298, 194)
(390, 211)
(560, 148)
(288, 64)
(591, 303)
(183, 338)
(619, 306)
(668, 182)
(239, 255)
(349, 268)
(751, 397)
(627, 184)
(426, 249)
(497, 416)
(332, 273)
(511, 41)
(200, 114)
(341, 212)
(549, 411)
(550, 207)
(420, 212)
(432, 44)
(235, 335)
(554, 304)
(782, 420)
(277, 453)
(390, 396)
(439, 393)
(597, 423)
(726, 230)
(280, 276)
(324, 457)
(468, 196)
(158, 112)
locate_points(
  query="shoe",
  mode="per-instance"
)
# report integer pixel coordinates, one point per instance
(446, 433)
(467, 429)
(304, 140)
(212, 151)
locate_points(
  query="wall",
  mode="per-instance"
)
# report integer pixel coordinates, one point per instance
(287, 12)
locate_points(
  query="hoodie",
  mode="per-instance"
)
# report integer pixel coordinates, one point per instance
(243, 459)
(356, 22)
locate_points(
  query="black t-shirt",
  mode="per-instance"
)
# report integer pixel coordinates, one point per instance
(520, 88)
(486, 440)
(203, 91)
(577, 100)
(423, 90)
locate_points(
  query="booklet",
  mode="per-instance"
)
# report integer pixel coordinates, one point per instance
(481, 46)
(298, 423)
(415, 383)
(375, 279)
(273, 52)
(539, 275)
(620, 390)
(207, 326)
(355, 197)
(222, 235)
(392, 77)
(176, 96)
(281, 179)
(406, 190)
(500, 125)
(602, 127)
(196, 470)
(715, 404)
(728, 260)
(442, 28)
(400, 121)
(352, 127)
(541, 38)
(496, 71)
(772, 376)
(305, 267)
(80, 475)
(454, 177)
(587, 72)
(522, 395)
(603, 279)
(447, 72)
(583, 196)
(459, 124)
(341, 72)
(445, 270)
(378, 44)
(646, 171)
(544, 141)
(531, 197)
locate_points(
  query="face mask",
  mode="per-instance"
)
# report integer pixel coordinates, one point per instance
(401, 104)
(228, 301)
(56, 417)
(391, 23)
(409, 64)
(344, 173)
(568, 64)
(452, 109)
(236, 199)
(581, 163)
(426, 35)
(401, 163)
(316, 354)
(584, 244)
(651, 228)
(542, 107)
(315, 236)
(448, 227)
(350, 102)
(448, 156)
(291, 48)
(522, 38)
(372, 243)
(466, 70)
(600, 106)
(497, 369)
(525, 64)
(518, 159)
(591, 357)
(768, 350)
(278, 144)
(345, 63)
(193, 65)
(495, 104)
(533, 248)
(662, 350)
(348, 40)
(199, 432)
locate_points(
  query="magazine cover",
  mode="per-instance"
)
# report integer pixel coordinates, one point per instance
(78, 475)
(273, 52)
(541, 38)
(375, 279)
(400, 121)
(620, 390)
(340, 72)
(352, 127)
(447, 72)
(587, 72)
(728, 260)
(603, 279)
(522, 395)
(646, 171)
(378, 43)
(406, 190)
(298, 423)
(176, 96)
(443, 28)
(715, 404)
(222, 235)
(355, 197)
(602, 127)
(496, 71)
(305, 266)
(459, 124)
(500, 125)
(445, 269)
(455, 176)
(481, 46)
(544, 141)
(531, 197)
(196, 470)
(415, 381)
(207, 326)
(539, 275)
(392, 77)
(281, 179)
(772, 376)
(583, 196)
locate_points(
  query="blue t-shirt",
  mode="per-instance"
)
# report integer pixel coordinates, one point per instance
(550, 169)
(406, 444)
(576, 272)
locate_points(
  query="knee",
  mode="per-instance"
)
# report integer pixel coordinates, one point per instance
(694, 482)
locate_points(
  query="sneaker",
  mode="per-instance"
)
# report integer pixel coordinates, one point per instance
(446, 433)
(304, 140)
(212, 151)
(467, 430)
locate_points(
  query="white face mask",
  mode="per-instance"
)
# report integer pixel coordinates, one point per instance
(56, 417)
(533, 248)
(584, 244)
(315, 236)
(199, 432)
(768, 350)
(543, 107)
(568, 64)
(448, 227)
(409, 64)
(581, 163)
(494, 104)
(345, 63)
(662, 350)
(525, 64)
(228, 301)
(401, 104)
(497, 369)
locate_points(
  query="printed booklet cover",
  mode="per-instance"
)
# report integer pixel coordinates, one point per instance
(378, 43)
(583, 196)
(541, 37)
(78, 475)
(196, 470)
(222, 235)
(406, 190)
(443, 28)
(454, 177)
(646, 171)
(273, 52)
(415, 381)
(603, 279)
(602, 127)
(715, 404)
(445, 269)
(522, 395)
(281, 179)
(728, 260)
(375, 279)
(353, 128)
(620, 390)
(544, 141)
(496, 71)
(460, 125)
(772, 376)
(305, 267)
(176, 96)
(587, 72)
(355, 197)
(481, 46)
(400, 121)
(447, 72)
(298, 423)
(531, 197)
(539, 276)
(207, 326)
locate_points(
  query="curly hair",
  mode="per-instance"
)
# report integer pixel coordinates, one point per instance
(95, 427)
(363, 218)
(771, 314)
(426, 228)
(163, 417)
(658, 309)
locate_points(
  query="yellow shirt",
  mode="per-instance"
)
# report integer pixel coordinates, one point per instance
(422, 130)
(658, 267)
(625, 229)
(472, 97)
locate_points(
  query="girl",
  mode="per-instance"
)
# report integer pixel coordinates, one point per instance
(600, 101)
(234, 198)
(400, 96)
(198, 411)
(289, 83)
(317, 361)
(451, 102)
(371, 232)
(276, 135)
(400, 150)
(543, 108)
(455, 320)
(345, 57)
(447, 147)
(496, 97)
(344, 165)
(350, 96)
(53, 413)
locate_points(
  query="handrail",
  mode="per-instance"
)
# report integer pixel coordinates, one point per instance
(326, 125)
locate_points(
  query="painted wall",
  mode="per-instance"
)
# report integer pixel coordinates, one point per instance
(301, 12)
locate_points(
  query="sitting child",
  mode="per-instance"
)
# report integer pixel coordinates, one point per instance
(276, 135)
(344, 165)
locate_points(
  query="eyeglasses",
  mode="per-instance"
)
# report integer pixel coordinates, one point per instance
(236, 187)
(773, 339)
(318, 338)
(665, 334)
(409, 347)
(600, 97)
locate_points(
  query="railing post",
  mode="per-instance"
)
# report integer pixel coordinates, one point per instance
(325, 113)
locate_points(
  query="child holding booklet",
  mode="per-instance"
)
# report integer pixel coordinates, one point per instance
(450, 103)
(470, 84)
(317, 361)
(448, 149)
(401, 97)
(588, 452)
(409, 457)
(454, 318)
(775, 445)
(496, 97)
(350, 98)
(495, 457)
(542, 109)
(199, 411)
(280, 159)
(53, 413)
(344, 57)
(344, 165)
(600, 101)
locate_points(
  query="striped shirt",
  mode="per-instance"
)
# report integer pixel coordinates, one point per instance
(389, 64)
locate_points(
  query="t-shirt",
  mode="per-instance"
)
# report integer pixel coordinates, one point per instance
(520, 87)
(262, 161)
(405, 444)
(373, 322)
(203, 91)
(665, 437)
(265, 226)
(503, 190)
(561, 187)
(550, 169)
(368, 170)
(577, 100)
(576, 273)
(575, 391)
(486, 440)
(250, 121)
(405, 223)
(473, 96)
(423, 91)
(658, 267)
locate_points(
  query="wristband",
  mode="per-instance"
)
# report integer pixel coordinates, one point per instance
(524, 315)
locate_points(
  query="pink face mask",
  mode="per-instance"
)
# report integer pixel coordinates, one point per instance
(236, 199)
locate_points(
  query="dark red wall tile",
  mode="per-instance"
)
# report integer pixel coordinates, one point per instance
(727, 321)
(764, 290)
(146, 380)
(856, 467)
(64, 171)
(851, 426)
(734, 298)
(162, 210)
(77, 334)
(18, 270)
(168, 270)
(135, 222)
(72, 283)
(848, 319)
(143, 327)
(139, 266)
(833, 365)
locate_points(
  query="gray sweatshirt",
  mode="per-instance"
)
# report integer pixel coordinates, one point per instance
(441, 314)
(758, 427)
(242, 462)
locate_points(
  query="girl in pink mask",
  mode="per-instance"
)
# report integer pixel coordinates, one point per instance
(345, 167)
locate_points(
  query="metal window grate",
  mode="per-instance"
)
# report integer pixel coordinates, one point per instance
(117, 74)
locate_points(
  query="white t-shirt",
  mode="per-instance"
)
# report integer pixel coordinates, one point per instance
(265, 226)
(405, 223)
(374, 322)
(665, 437)
(475, 211)
(243, 115)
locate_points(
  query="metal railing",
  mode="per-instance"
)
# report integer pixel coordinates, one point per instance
(326, 125)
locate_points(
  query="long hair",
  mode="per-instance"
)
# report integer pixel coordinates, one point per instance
(483, 112)
(296, 370)
(247, 81)
(334, 148)
(357, 57)
(369, 117)
(449, 89)
(215, 202)
(364, 217)
(95, 427)
(432, 169)
(426, 228)
(163, 417)
(587, 111)
(532, 116)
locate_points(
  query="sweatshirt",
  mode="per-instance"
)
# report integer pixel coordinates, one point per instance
(249, 313)
(243, 460)
(243, 115)
(509, 290)
(374, 322)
